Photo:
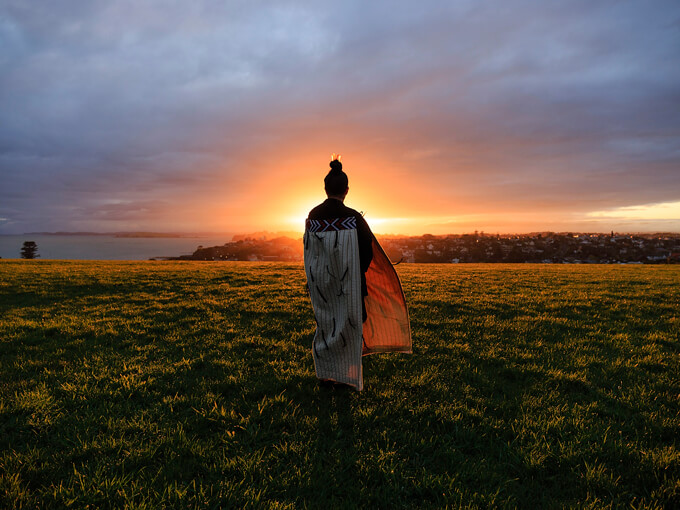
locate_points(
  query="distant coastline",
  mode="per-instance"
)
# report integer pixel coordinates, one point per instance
(545, 247)
(107, 246)
(118, 234)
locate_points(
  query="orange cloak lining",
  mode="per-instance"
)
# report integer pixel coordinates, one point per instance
(387, 327)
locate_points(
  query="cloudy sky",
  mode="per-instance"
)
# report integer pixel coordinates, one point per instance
(451, 116)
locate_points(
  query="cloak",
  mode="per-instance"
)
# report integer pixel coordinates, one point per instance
(333, 272)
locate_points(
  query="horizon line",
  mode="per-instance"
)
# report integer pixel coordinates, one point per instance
(151, 233)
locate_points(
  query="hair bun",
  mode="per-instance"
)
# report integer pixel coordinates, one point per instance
(336, 166)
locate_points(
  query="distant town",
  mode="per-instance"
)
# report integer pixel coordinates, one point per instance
(544, 247)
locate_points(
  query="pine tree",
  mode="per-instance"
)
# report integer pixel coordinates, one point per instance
(29, 250)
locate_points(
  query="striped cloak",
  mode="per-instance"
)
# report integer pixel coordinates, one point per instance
(333, 276)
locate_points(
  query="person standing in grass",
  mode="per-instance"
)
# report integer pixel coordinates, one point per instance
(356, 295)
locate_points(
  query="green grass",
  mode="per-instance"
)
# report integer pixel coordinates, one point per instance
(191, 385)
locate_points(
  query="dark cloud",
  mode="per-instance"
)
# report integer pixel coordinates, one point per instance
(115, 111)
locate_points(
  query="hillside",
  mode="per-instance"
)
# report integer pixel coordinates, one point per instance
(546, 247)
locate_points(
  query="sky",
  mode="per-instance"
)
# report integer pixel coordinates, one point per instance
(451, 116)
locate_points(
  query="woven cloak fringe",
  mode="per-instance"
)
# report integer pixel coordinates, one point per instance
(334, 281)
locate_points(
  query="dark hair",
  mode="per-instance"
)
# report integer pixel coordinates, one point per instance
(336, 181)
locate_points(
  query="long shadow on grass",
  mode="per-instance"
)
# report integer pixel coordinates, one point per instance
(526, 421)
(334, 473)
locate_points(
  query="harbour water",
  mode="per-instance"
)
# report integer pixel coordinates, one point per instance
(104, 247)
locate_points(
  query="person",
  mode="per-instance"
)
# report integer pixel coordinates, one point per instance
(337, 186)
(358, 302)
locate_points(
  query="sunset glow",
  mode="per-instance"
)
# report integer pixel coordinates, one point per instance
(450, 117)
(669, 211)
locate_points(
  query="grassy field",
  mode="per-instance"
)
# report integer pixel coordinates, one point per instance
(191, 385)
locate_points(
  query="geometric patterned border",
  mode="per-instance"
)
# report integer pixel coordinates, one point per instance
(331, 225)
